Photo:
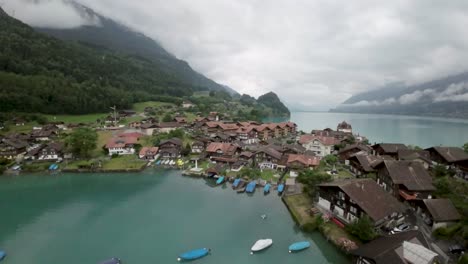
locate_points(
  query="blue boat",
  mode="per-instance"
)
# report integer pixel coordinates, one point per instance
(298, 246)
(236, 183)
(51, 167)
(56, 166)
(2, 255)
(220, 180)
(251, 187)
(280, 188)
(111, 261)
(158, 162)
(194, 254)
(266, 189)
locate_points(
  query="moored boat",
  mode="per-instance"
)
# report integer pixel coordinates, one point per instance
(266, 189)
(111, 261)
(280, 188)
(298, 246)
(2, 255)
(251, 187)
(235, 184)
(220, 180)
(261, 244)
(194, 254)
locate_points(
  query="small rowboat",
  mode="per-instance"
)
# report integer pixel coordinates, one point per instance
(261, 244)
(235, 183)
(2, 255)
(220, 180)
(298, 246)
(280, 188)
(111, 261)
(194, 254)
(266, 189)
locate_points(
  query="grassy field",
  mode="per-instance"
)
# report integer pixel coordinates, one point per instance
(123, 162)
(268, 175)
(103, 137)
(27, 128)
(140, 107)
(89, 118)
(299, 206)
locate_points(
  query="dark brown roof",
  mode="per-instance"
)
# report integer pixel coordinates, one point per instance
(451, 154)
(174, 141)
(442, 210)
(271, 152)
(367, 161)
(411, 174)
(17, 144)
(357, 146)
(374, 200)
(390, 147)
(411, 154)
(385, 250)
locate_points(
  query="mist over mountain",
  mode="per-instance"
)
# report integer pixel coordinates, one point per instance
(446, 97)
(109, 34)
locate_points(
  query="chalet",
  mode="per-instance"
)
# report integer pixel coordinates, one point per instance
(328, 132)
(268, 158)
(49, 152)
(227, 150)
(170, 148)
(165, 127)
(187, 104)
(126, 113)
(198, 147)
(293, 149)
(148, 153)
(19, 121)
(448, 156)
(349, 200)
(43, 135)
(247, 156)
(422, 156)
(149, 128)
(264, 132)
(402, 248)
(135, 124)
(247, 134)
(352, 149)
(406, 180)
(441, 212)
(344, 127)
(121, 145)
(181, 120)
(387, 149)
(299, 161)
(320, 145)
(11, 148)
(363, 163)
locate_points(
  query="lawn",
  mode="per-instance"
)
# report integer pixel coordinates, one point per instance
(299, 206)
(128, 120)
(89, 118)
(268, 175)
(140, 107)
(103, 137)
(27, 128)
(123, 162)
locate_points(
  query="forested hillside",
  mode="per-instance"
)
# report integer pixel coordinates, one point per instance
(39, 73)
(113, 35)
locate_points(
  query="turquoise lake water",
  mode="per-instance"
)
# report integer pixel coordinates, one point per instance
(147, 217)
(420, 131)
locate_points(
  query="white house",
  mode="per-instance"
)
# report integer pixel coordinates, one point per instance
(187, 104)
(320, 145)
(121, 145)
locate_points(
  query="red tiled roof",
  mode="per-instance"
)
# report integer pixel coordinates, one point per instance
(224, 147)
(306, 160)
(131, 134)
(120, 142)
(304, 139)
(144, 150)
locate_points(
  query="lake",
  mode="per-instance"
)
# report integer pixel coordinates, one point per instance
(147, 217)
(421, 131)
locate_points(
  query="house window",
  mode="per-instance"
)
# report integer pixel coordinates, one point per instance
(341, 195)
(353, 209)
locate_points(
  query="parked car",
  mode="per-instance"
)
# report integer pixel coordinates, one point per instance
(456, 249)
(400, 228)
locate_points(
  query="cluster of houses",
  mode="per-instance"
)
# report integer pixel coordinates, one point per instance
(390, 179)
(41, 144)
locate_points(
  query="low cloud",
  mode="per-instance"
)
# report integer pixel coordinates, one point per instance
(454, 92)
(312, 53)
(49, 13)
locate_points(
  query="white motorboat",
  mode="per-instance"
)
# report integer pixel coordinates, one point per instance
(261, 244)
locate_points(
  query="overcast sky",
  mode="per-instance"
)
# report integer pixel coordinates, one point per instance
(312, 53)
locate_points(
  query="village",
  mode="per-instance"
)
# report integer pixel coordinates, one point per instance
(414, 199)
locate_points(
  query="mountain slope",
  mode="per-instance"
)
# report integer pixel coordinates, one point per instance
(443, 97)
(272, 101)
(115, 36)
(39, 73)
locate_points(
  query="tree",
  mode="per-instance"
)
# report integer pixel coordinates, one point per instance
(310, 179)
(186, 151)
(167, 118)
(82, 142)
(465, 147)
(363, 228)
(330, 159)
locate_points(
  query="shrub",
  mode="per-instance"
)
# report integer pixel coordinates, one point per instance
(115, 155)
(447, 232)
(363, 228)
